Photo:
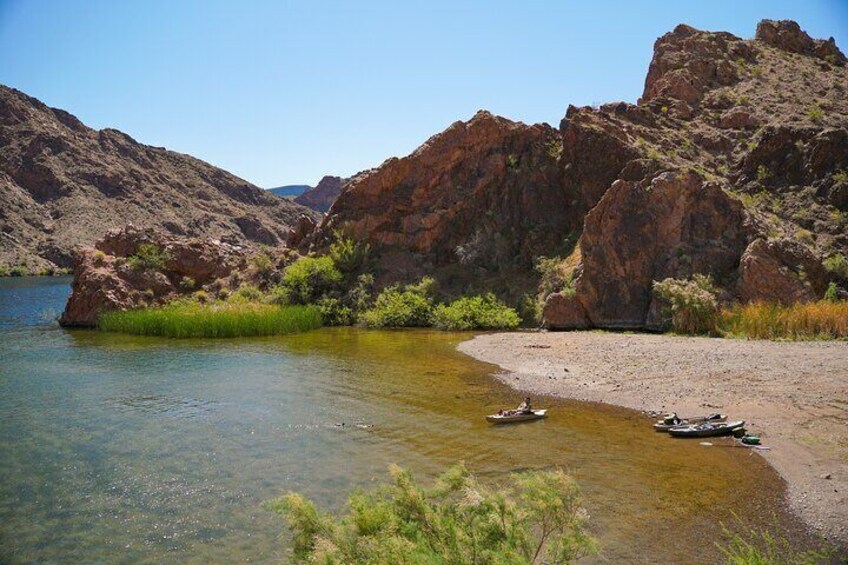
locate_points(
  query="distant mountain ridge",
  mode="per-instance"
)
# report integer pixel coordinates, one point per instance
(290, 190)
(63, 185)
(324, 194)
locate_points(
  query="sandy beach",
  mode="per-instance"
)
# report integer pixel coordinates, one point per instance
(792, 394)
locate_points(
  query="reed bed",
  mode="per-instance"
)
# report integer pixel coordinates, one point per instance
(800, 321)
(223, 320)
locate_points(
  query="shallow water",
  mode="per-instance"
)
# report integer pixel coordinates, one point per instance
(118, 448)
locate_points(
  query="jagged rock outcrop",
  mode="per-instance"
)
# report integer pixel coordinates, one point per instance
(782, 271)
(63, 185)
(788, 36)
(105, 280)
(322, 196)
(475, 202)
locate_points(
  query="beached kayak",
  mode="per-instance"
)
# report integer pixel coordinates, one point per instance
(673, 421)
(509, 418)
(707, 430)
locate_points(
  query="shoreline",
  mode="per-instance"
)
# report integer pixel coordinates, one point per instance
(794, 395)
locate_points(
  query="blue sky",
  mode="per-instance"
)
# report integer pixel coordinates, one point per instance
(284, 92)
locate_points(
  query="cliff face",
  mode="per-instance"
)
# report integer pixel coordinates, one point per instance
(63, 185)
(734, 163)
(322, 196)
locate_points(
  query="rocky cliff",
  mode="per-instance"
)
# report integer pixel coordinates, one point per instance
(322, 196)
(733, 163)
(63, 185)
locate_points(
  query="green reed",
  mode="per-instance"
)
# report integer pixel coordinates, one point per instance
(220, 320)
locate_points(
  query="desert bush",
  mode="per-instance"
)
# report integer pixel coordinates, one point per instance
(4, 271)
(553, 276)
(411, 306)
(335, 313)
(246, 293)
(308, 279)
(801, 321)
(19, 271)
(837, 265)
(215, 321)
(815, 114)
(348, 254)
(748, 546)
(484, 312)
(262, 263)
(187, 283)
(536, 518)
(692, 304)
(831, 294)
(99, 257)
(149, 256)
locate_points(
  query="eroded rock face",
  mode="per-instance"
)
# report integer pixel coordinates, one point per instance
(780, 271)
(478, 199)
(323, 195)
(788, 36)
(63, 185)
(105, 281)
(674, 225)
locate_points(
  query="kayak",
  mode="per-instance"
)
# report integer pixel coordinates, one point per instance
(707, 429)
(507, 418)
(672, 421)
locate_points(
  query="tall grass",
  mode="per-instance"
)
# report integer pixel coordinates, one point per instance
(801, 321)
(220, 320)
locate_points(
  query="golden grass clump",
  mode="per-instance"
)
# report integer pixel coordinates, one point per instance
(220, 320)
(800, 321)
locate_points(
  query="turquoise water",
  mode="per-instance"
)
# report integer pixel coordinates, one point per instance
(129, 449)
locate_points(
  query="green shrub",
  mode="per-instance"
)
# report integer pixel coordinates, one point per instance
(831, 293)
(348, 254)
(19, 271)
(815, 114)
(335, 313)
(262, 263)
(308, 279)
(396, 308)
(536, 518)
(246, 293)
(484, 312)
(99, 257)
(837, 265)
(187, 283)
(215, 321)
(554, 278)
(4, 271)
(763, 174)
(149, 256)
(759, 547)
(692, 304)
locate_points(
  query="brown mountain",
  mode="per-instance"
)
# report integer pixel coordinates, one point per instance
(322, 196)
(733, 163)
(63, 185)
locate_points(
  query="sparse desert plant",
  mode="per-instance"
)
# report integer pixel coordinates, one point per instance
(4, 271)
(187, 283)
(484, 312)
(831, 294)
(19, 271)
(99, 257)
(149, 256)
(815, 114)
(692, 304)
(511, 162)
(837, 265)
(262, 263)
(763, 174)
(840, 176)
(555, 277)
(246, 293)
(536, 518)
(748, 546)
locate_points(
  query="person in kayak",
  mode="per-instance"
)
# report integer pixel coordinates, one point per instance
(524, 407)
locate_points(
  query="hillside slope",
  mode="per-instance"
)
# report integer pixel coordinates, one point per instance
(734, 163)
(63, 185)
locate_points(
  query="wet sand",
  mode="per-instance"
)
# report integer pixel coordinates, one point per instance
(794, 395)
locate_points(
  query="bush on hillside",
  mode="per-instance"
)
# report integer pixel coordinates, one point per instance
(692, 304)
(307, 280)
(411, 306)
(149, 257)
(484, 312)
(536, 518)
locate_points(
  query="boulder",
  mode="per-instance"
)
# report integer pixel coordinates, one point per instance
(563, 311)
(782, 271)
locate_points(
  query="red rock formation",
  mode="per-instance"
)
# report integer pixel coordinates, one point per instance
(104, 280)
(788, 36)
(323, 195)
(780, 271)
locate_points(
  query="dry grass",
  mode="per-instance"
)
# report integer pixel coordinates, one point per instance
(801, 321)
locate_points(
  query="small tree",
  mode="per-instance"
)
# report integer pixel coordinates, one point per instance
(308, 279)
(692, 304)
(149, 256)
(536, 518)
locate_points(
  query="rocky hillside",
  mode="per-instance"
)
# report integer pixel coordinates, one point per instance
(322, 196)
(734, 163)
(63, 185)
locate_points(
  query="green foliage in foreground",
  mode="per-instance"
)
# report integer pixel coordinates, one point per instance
(307, 280)
(215, 320)
(536, 518)
(484, 312)
(756, 547)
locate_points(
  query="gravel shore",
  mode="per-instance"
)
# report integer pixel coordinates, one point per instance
(792, 394)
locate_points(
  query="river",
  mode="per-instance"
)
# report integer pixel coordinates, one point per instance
(130, 449)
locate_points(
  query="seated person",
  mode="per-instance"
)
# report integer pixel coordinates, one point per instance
(524, 407)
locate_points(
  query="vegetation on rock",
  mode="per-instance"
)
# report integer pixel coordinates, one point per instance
(536, 518)
(149, 256)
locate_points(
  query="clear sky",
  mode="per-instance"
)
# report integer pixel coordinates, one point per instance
(283, 92)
